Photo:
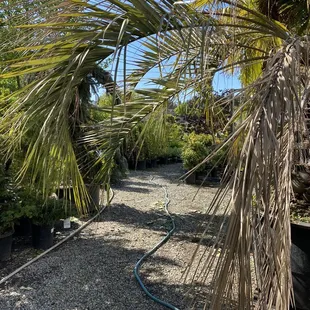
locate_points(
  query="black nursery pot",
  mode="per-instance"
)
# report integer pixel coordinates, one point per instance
(23, 228)
(300, 264)
(191, 179)
(141, 165)
(42, 236)
(163, 160)
(154, 163)
(131, 164)
(6, 246)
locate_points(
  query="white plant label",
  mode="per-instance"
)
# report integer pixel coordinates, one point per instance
(52, 230)
(67, 223)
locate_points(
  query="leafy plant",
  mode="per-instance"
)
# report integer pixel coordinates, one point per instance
(175, 135)
(135, 149)
(48, 212)
(195, 150)
(8, 204)
(42, 211)
(174, 152)
(199, 146)
(119, 168)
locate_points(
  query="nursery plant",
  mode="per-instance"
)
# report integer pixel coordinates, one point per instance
(8, 203)
(175, 139)
(43, 213)
(8, 212)
(199, 146)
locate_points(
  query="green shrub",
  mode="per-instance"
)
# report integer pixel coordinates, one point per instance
(155, 138)
(102, 111)
(174, 152)
(8, 203)
(48, 212)
(151, 145)
(119, 168)
(43, 211)
(197, 147)
(135, 150)
(175, 134)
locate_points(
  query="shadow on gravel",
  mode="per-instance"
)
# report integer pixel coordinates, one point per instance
(188, 226)
(171, 173)
(133, 189)
(90, 273)
(131, 183)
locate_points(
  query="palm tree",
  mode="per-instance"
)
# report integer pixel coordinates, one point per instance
(187, 44)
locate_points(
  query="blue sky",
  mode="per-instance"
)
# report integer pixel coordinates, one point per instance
(135, 52)
(223, 81)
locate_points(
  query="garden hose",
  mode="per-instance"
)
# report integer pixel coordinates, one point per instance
(153, 250)
(110, 198)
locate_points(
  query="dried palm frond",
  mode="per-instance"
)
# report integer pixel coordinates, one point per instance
(254, 249)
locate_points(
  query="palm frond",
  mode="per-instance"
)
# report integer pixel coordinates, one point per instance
(254, 247)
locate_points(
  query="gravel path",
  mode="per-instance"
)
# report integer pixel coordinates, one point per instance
(94, 270)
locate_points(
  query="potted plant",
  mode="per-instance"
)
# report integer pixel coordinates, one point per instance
(194, 151)
(8, 215)
(174, 154)
(23, 225)
(135, 153)
(196, 148)
(163, 159)
(119, 168)
(7, 219)
(141, 163)
(43, 214)
(175, 142)
(151, 161)
(152, 148)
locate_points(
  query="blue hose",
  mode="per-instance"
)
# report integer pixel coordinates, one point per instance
(152, 251)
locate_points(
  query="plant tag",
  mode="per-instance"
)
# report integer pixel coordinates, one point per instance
(67, 223)
(52, 230)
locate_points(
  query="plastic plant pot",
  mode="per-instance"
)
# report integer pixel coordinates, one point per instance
(300, 264)
(6, 246)
(42, 236)
(141, 165)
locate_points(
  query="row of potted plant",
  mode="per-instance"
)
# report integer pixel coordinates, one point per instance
(145, 149)
(20, 207)
(172, 155)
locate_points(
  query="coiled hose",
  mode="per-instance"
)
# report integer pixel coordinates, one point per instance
(153, 250)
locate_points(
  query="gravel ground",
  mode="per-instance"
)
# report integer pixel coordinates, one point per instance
(94, 270)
